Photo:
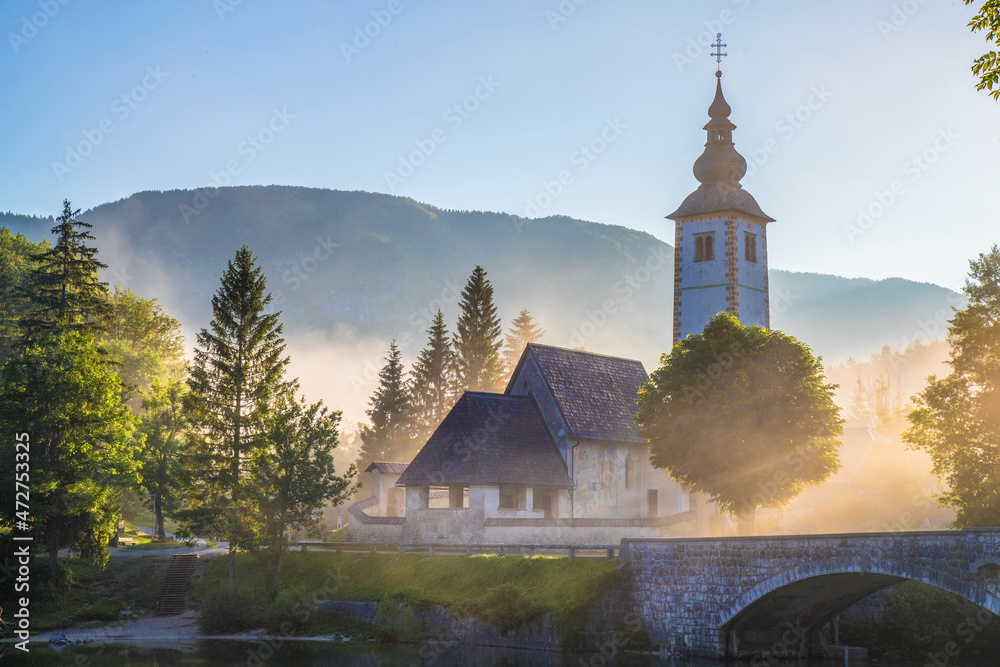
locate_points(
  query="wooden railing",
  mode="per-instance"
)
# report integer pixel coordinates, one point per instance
(517, 550)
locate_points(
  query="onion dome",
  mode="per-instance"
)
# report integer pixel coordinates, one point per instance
(719, 169)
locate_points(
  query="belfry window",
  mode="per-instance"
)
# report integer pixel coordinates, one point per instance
(750, 247)
(704, 247)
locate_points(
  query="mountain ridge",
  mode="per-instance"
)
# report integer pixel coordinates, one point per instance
(352, 268)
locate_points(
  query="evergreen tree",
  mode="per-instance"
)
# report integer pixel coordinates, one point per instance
(64, 287)
(432, 391)
(478, 341)
(239, 368)
(523, 331)
(861, 404)
(387, 438)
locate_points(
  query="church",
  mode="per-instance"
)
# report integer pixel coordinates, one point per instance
(557, 458)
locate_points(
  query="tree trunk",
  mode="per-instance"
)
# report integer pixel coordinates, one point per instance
(232, 567)
(279, 550)
(53, 536)
(745, 516)
(161, 535)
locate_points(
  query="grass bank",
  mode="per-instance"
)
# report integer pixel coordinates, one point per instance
(89, 596)
(506, 591)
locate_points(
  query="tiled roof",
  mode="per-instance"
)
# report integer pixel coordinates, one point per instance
(718, 198)
(490, 439)
(386, 466)
(596, 394)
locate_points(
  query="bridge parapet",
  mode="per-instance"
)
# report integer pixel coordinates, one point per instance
(743, 595)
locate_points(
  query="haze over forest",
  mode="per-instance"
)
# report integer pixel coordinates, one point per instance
(351, 271)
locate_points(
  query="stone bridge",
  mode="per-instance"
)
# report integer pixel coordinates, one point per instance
(777, 596)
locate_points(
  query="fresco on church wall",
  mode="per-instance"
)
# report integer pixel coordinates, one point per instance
(607, 489)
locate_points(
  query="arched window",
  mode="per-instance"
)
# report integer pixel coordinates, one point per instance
(704, 247)
(750, 247)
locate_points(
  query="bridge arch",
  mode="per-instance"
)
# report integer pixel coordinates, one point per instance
(783, 613)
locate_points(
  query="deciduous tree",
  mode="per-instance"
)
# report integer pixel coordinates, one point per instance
(294, 476)
(164, 427)
(957, 418)
(144, 342)
(742, 414)
(987, 66)
(62, 393)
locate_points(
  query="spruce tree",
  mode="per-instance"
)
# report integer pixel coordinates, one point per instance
(387, 438)
(433, 382)
(524, 330)
(239, 368)
(478, 341)
(64, 288)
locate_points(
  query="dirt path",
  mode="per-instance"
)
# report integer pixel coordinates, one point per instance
(166, 631)
(204, 552)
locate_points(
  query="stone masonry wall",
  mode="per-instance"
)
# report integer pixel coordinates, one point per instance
(686, 590)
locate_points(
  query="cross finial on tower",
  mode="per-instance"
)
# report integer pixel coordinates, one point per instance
(719, 55)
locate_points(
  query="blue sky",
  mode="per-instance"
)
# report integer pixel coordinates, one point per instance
(841, 108)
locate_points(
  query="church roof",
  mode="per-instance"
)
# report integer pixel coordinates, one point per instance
(717, 198)
(596, 394)
(386, 466)
(490, 439)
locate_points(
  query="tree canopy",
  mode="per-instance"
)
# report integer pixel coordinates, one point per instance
(16, 253)
(957, 418)
(433, 388)
(742, 414)
(987, 66)
(294, 476)
(60, 390)
(388, 438)
(523, 330)
(478, 338)
(64, 287)
(238, 370)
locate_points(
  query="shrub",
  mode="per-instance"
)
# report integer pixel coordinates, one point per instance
(224, 611)
(508, 607)
(396, 621)
(289, 614)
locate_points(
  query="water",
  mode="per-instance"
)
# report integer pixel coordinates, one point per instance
(223, 653)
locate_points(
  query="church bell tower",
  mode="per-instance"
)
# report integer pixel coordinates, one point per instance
(720, 236)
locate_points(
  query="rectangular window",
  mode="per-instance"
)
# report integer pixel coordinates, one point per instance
(508, 498)
(704, 247)
(653, 502)
(542, 500)
(750, 247)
